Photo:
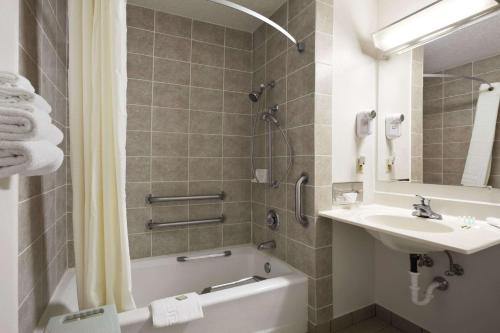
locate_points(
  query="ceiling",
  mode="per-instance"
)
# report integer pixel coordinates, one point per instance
(206, 11)
(478, 41)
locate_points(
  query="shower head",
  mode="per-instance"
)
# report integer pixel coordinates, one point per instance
(254, 95)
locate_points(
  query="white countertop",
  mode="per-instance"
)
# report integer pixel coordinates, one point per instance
(465, 241)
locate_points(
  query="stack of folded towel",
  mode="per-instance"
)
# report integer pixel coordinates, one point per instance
(28, 139)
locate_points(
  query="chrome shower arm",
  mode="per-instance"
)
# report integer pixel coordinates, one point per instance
(300, 45)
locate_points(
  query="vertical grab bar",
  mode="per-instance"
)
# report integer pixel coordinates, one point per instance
(298, 200)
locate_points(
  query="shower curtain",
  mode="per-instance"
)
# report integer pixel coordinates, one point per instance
(97, 114)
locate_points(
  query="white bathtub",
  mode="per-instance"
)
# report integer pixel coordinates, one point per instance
(277, 304)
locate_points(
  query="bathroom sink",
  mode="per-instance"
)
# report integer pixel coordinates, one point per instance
(405, 223)
(408, 223)
(397, 229)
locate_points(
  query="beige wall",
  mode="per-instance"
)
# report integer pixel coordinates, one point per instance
(303, 92)
(188, 131)
(42, 200)
(449, 106)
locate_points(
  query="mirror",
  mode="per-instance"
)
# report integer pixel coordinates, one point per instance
(439, 107)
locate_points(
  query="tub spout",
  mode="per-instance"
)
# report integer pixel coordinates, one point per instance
(267, 245)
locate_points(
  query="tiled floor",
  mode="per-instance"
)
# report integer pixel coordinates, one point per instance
(372, 325)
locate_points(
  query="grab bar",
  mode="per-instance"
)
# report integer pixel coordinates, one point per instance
(156, 225)
(298, 199)
(254, 278)
(150, 199)
(213, 255)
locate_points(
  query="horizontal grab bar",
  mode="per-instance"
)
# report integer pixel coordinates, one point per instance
(150, 199)
(156, 225)
(213, 255)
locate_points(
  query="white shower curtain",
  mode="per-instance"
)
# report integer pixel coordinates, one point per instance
(97, 106)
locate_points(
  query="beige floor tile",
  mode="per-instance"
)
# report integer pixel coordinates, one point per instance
(372, 325)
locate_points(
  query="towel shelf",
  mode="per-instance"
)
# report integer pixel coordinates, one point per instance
(157, 225)
(151, 199)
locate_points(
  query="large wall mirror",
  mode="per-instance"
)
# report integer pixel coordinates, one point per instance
(438, 119)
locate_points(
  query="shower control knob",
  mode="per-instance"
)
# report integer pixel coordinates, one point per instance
(272, 219)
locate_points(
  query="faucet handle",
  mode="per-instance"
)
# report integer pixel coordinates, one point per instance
(424, 201)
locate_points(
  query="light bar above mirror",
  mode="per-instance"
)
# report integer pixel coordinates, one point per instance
(431, 22)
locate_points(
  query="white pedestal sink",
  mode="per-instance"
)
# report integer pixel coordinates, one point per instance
(400, 231)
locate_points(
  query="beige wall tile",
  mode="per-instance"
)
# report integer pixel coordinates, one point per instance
(169, 168)
(202, 145)
(205, 122)
(170, 120)
(140, 245)
(207, 32)
(175, 48)
(206, 76)
(237, 81)
(138, 169)
(168, 242)
(207, 54)
(237, 146)
(236, 168)
(170, 71)
(173, 24)
(138, 118)
(235, 234)
(206, 99)
(139, 66)
(238, 39)
(139, 92)
(171, 96)
(140, 41)
(169, 144)
(202, 238)
(205, 168)
(238, 59)
(140, 17)
(304, 23)
(235, 102)
(275, 45)
(138, 143)
(301, 83)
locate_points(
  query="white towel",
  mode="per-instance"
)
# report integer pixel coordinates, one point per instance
(478, 164)
(8, 79)
(20, 95)
(29, 158)
(176, 310)
(26, 106)
(17, 124)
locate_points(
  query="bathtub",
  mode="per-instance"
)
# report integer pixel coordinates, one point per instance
(276, 304)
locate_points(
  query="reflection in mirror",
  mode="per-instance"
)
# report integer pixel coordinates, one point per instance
(449, 90)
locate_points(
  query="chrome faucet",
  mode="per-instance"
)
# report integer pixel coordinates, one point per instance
(267, 245)
(423, 209)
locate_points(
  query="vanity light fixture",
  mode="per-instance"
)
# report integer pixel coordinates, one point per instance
(431, 22)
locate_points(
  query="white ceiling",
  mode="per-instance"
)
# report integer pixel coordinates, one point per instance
(206, 11)
(475, 42)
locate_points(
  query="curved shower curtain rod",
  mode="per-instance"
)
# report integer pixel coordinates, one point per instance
(473, 78)
(300, 45)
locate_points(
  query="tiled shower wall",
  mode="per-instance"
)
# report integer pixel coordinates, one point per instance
(303, 94)
(189, 123)
(448, 118)
(42, 200)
